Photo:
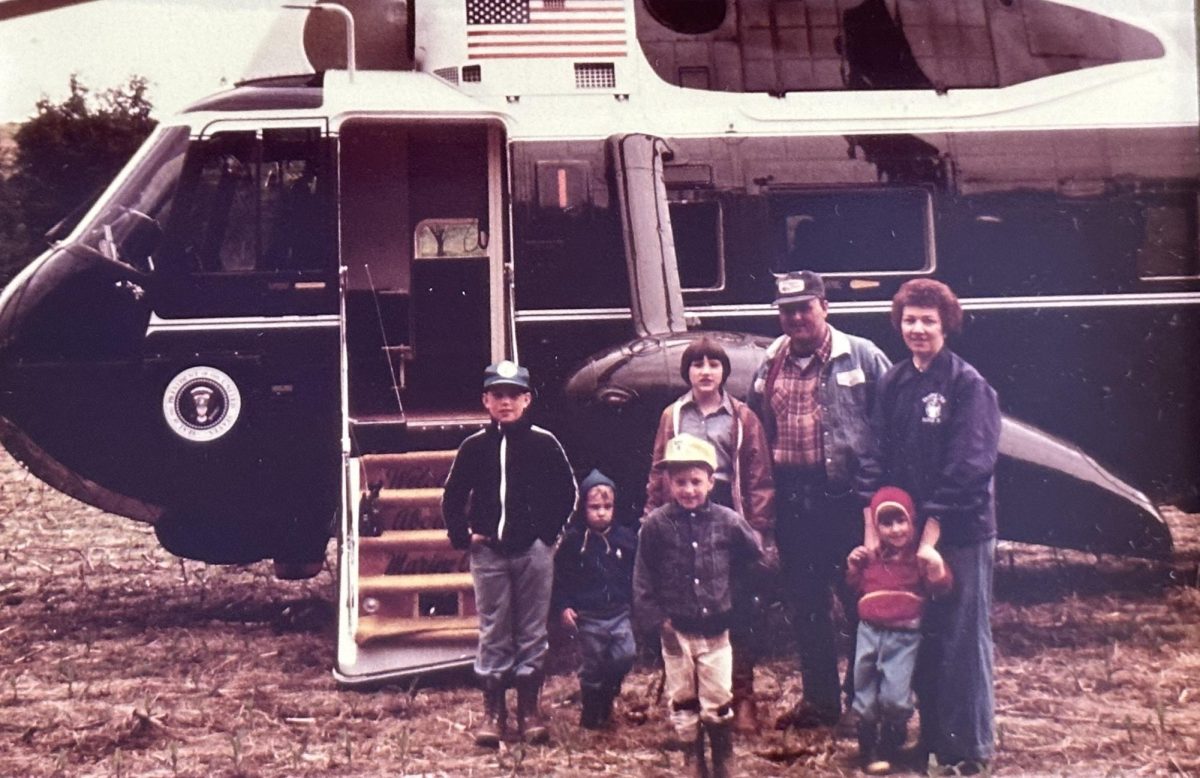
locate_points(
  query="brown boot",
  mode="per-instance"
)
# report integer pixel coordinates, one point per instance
(720, 738)
(592, 713)
(745, 716)
(491, 727)
(530, 723)
(699, 755)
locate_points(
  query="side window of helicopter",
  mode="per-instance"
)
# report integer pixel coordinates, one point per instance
(1170, 243)
(450, 239)
(877, 231)
(296, 227)
(254, 203)
(698, 230)
(567, 228)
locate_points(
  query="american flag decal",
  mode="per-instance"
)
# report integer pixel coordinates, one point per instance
(498, 29)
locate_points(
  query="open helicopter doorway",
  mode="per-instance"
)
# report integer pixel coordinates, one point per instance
(423, 295)
(423, 312)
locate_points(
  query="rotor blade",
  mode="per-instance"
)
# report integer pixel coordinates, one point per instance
(11, 9)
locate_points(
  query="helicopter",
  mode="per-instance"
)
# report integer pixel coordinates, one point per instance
(271, 329)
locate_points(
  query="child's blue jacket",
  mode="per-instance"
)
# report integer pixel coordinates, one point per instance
(593, 572)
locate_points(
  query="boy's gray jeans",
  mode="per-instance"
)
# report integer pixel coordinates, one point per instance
(512, 595)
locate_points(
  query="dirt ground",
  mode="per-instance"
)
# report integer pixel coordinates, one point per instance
(117, 658)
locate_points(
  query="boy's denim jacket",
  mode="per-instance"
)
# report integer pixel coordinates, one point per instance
(846, 395)
(685, 561)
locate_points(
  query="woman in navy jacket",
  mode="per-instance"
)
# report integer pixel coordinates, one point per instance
(936, 432)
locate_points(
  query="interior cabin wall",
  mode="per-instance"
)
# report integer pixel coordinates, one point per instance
(376, 225)
(451, 317)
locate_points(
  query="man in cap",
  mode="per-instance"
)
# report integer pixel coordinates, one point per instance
(814, 393)
(509, 492)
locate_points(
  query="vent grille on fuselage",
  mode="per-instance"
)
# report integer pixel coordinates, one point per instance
(595, 75)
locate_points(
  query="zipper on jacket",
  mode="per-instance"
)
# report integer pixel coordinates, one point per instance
(503, 486)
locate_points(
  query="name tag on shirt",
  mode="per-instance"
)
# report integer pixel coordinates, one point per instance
(851, 377)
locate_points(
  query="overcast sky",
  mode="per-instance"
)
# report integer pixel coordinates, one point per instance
(187, 48)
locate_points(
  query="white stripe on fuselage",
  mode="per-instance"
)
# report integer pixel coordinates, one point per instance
(158, 324)
(544, 315)
(1033, 302)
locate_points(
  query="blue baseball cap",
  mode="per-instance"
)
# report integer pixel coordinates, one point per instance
(506, 373)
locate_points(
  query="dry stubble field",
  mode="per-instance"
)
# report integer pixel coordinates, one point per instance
(118, 659)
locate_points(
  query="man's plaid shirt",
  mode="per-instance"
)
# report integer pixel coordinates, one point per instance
(797, 411)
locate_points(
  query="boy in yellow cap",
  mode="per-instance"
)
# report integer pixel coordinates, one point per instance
(681, 589)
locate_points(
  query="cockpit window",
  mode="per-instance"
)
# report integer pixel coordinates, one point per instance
(129, 225)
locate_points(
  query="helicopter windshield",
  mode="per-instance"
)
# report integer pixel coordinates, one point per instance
(128, 226)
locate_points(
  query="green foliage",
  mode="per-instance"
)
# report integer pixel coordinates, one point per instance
(14, 237)
(65, 155)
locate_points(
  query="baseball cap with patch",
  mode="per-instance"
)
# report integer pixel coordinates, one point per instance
(685, 449)
(798, 286)
(506, 373)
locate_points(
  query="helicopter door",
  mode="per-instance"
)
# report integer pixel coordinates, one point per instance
(423, 314)
(423, 292)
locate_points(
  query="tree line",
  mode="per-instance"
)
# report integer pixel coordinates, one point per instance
(65, 155)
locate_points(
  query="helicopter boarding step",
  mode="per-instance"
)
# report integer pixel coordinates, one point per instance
(382, 433)
(414, 588)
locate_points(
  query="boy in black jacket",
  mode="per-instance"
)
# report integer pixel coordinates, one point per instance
(508, 494)
(593, 589)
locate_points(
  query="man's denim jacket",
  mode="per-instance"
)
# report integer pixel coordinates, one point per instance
(846, 395)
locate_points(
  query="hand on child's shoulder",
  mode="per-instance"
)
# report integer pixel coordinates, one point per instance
(933, 567)
(859, 556)
(928, 554)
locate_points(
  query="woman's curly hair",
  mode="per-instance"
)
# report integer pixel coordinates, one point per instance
(927, 293)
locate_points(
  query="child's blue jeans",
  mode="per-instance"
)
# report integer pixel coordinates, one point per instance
(607, 649)
(883, 670)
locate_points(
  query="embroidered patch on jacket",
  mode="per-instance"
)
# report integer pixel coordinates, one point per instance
(934, 403)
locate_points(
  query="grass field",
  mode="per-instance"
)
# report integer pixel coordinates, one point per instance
(117, 658)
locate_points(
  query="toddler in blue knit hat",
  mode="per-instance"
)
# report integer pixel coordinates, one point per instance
(593, 589)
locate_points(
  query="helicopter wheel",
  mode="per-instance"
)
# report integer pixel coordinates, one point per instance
(297, 571)
(302, 554)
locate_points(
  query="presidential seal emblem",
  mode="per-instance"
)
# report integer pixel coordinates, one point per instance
(201, 404)
(934, 403)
